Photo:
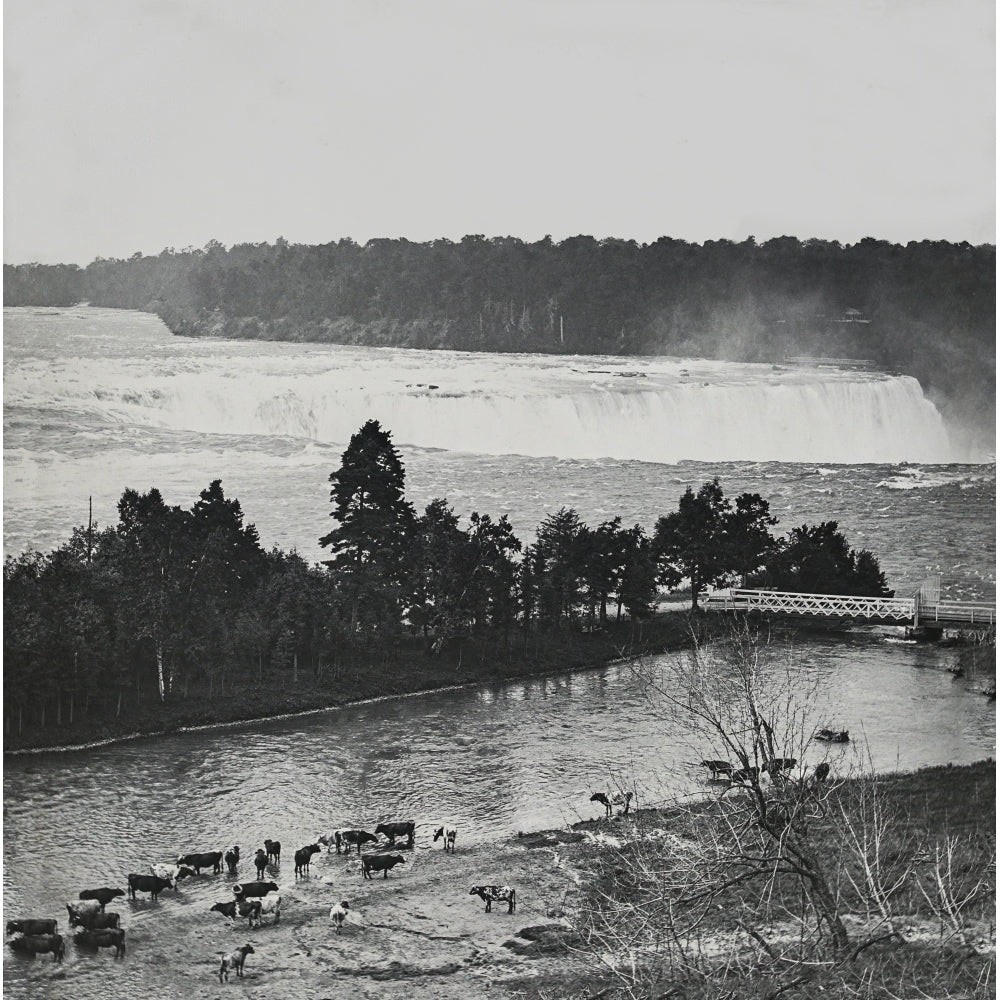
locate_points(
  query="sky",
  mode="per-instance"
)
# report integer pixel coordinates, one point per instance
(136, 125)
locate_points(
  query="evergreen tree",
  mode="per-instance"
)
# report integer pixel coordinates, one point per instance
(374, 524)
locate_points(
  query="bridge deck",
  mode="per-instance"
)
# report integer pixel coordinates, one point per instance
(884, 610)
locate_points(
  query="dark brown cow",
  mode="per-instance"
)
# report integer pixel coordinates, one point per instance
(380, 863)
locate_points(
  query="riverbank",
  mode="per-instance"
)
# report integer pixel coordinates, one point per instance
(484, 659)
(419, 935)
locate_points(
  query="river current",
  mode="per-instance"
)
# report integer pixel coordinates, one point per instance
(96, 401)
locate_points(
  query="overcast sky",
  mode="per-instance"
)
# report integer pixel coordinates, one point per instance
(134, 125)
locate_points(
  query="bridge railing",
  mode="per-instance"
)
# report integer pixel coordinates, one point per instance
(955, 611)
(822, 605)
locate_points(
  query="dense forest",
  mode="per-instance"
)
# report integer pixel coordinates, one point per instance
(926, 309)
(171, 604)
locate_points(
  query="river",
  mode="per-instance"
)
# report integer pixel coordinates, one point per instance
(96, 401)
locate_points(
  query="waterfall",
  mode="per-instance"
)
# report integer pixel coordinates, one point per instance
(834, 417)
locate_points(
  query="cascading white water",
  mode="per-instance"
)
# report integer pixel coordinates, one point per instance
(654, 410)
(827, 417)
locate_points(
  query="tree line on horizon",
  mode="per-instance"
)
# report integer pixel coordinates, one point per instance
(179, 601)
(926, 309)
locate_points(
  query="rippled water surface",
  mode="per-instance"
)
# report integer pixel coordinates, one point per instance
(493, 759)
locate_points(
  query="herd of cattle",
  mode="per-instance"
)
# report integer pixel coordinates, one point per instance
(98, 928)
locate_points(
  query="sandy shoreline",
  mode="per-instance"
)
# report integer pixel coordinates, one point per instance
(416, 934)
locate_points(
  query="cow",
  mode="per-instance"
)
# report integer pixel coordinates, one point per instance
(80, 911)
(347, 837)
(176, 872)
(31, 926)
(234, 960)
(260, 862)
(776, 767)
(302, 857)
(273, 850)
(380, 863)
(617, 799)
(249, 908)
(449, 833)
(232, 859)
(103, 939)
(209, 859)
(270, 905)
(394, 830)
(338, 914)
(833, 736)
(498, 893)
(100, 921)
(152, 884)
(717, 768)
(821, 773)
(103, 895)
(744, 775)
(40, 944)
(242, 891)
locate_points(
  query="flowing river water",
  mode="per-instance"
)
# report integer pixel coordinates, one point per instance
(96, 401)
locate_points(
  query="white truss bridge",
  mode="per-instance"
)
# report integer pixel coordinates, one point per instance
(915, 611)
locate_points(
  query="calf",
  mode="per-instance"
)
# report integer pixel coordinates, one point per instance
(103, 896)
(80, 911)
(152, 884)
(303, 856)
(260, 862)
(394, 830)
(380, 863)
(40, 944)
(242, 891)
(744, 775)
(103, 939)
(273, 850)
(31, 926)
(232, 859)
(348, 837)
(821, 773)
(234, 960)
(491, 893)
(449, 833)
(249, 908)
(338, 914)
(209, 859)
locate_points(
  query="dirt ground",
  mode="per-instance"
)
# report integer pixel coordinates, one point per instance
(415, 934)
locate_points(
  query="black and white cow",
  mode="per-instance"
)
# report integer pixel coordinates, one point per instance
(495, 893)
(449, 833)
(249, 908)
